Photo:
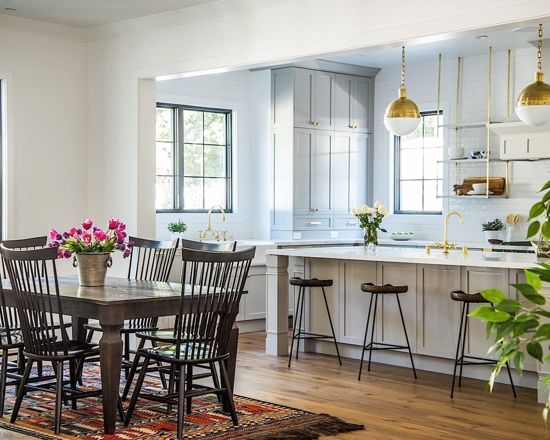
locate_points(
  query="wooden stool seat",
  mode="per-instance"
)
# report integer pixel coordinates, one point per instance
(459, 295)
(311, 282)
(386, 288)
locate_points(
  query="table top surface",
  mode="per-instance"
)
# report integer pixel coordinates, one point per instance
(504, 260)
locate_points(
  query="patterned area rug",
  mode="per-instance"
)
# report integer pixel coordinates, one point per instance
(257, 420)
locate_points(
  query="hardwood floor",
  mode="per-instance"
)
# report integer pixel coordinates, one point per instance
(388, 401)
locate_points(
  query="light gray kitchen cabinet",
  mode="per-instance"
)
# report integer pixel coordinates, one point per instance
(352, 103)
(303, 144)
(524, 146)
(323, 100)
(303, 98)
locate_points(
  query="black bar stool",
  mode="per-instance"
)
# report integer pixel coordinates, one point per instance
(466, 299)
(375, 291)
(297, 332)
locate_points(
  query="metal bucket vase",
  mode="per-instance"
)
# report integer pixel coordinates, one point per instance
(92, 267)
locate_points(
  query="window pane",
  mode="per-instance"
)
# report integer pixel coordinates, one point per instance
(214, 128)
(432, 169)
(165, 160)
(214, 161)
(431, 202)
(192, 193)
(165, 130)
(192, 126)
(164, 192)
(411, 195)
(192, 160)
(214, 192)
(410, 162)
(413, 140)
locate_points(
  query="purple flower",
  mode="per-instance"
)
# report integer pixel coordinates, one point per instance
(114, 223)
(66, 235)
(66, 254)
(126, 253)
(87, 224)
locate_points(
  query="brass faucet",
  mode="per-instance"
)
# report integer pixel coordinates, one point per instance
(445, 245)
(215, 233)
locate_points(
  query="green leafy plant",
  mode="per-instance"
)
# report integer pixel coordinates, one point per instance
(495, 225)
(516, 326)
(540, 214)
(177, 227)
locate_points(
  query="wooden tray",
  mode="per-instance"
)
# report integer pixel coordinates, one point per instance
(497, 185)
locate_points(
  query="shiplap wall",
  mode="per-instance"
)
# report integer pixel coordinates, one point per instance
(526, 178)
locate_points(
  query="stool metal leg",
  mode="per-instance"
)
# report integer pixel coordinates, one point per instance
(372, 331)
(331, 327)
(458, 348)
(463, 344)
(296, 308)
(365, 338)
(302, 313)
(406, 336)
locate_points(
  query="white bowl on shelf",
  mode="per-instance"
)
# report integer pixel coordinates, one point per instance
(401, 236)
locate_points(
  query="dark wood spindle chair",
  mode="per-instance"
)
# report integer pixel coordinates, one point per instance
(208, 308)
(11, 339)
(33, 278)
(150, 260)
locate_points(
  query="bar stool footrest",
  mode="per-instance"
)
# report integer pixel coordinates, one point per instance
(372, 346)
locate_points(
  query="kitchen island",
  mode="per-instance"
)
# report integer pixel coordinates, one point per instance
(432, 318)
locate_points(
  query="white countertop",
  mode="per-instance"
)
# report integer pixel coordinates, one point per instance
(415, 256)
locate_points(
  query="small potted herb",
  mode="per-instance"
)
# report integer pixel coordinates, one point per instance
(492, 230)
(177, 228)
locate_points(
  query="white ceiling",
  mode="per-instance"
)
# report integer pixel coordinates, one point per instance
(88, 13)
(502, 38)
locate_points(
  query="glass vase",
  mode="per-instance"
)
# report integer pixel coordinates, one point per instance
(370, 239)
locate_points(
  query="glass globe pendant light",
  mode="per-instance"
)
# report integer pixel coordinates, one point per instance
(402, 115)
(533, 104)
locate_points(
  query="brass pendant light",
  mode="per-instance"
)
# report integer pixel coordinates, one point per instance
(402, 115)
(533, 104)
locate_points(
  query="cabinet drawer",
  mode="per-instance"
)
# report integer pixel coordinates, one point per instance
(513, 147)
(538, 147)
(346, 223)
(312, 222)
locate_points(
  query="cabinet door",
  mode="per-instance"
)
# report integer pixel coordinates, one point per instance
(320, 171)
(303, 98)
(360, 104)
(538, 146)
(358, 170)
(255, 300)
(322, 100)
(281, 97)
(342, 102)
(303, 141)
(341, 173)
(513, 147)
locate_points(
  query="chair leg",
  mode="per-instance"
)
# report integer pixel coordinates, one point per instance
(229, 393)
(294, 325)
(132, 372)
(72, 375)
(372, 330)
(159, 365)
(58, 396)
(120, 409)
(511, 380)
(332, 327)
(39, 368)
(463, 344)
(215, 379)
(126, 354)
(3, 379)
(171, 380)
(189, 385)
(406, 336)
(458, 349)
(136, 392)
(21, 392)
(365, 339)
(181, 402)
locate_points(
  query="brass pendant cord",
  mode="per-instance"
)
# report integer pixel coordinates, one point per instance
(403, 68)
(539, 50)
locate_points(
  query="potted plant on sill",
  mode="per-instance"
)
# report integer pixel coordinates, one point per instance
(177, 228)
(492, 230)
(92, 247)
(540, 214)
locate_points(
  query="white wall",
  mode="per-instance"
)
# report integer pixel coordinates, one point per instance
(247, 94)
(43, 69)
(230, 35)
(526, 177)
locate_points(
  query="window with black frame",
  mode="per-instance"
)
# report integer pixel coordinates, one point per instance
(193, 158)
(418, 168)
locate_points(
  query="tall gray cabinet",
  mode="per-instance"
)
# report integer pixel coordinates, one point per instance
(321, 149)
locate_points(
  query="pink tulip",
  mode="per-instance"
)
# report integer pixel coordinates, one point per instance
(114, 223)
(73, 232)
(121, 226)
(99, 234)
(53, 234)
(87, 224)
(86, 238)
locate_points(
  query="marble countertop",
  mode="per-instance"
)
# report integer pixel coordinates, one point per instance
(416, 256)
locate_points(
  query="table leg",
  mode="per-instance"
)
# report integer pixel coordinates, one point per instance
(277, 306)
(110, 353)
(79, 332)
(231, 362)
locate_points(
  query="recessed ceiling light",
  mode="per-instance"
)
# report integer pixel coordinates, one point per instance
(481, 37)
(526, 29)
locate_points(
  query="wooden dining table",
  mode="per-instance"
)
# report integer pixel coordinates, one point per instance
(120, 299)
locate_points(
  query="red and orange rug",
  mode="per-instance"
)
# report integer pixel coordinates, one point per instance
(257, 420)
